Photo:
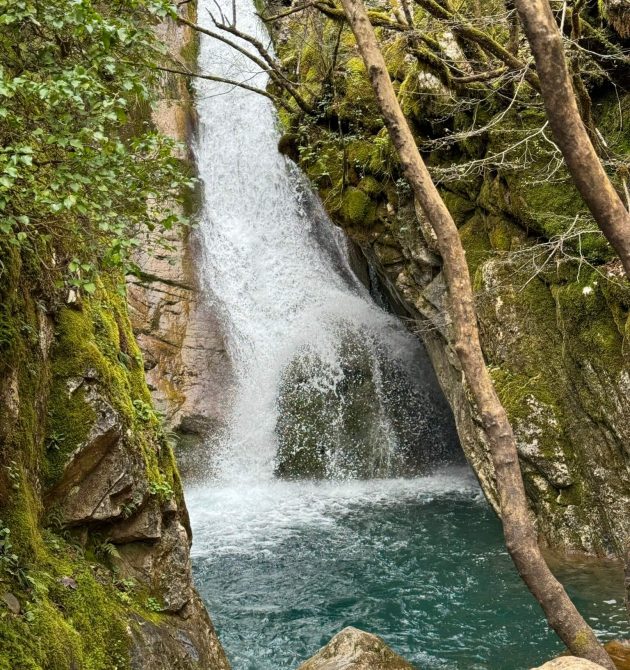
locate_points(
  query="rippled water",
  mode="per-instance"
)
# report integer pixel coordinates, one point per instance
(283, 566)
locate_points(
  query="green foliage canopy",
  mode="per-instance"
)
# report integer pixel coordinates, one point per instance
(82, 170)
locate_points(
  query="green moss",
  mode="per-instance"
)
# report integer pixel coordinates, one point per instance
(370, 186)
(81, 622)
(474, 236)
(357, 207)
(584, 314)
(459, 206)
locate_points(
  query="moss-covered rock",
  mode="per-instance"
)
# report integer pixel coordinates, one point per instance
(83, 458)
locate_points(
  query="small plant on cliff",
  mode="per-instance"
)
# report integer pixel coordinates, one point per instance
(144, 411)
(161, 489)
(153, 605)
(106, 551)
(13, 473)
(10, 566)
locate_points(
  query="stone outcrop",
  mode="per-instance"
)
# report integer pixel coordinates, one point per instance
(553, 311)
(354, 649)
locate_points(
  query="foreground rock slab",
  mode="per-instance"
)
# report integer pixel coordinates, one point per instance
(354, 649)
(569, 663)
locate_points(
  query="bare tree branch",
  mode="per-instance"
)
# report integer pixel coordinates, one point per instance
(267, 63)
(223, 80)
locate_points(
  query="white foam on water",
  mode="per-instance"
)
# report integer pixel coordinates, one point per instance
(247, 517)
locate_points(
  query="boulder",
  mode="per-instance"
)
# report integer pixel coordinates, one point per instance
(354, 649)
(569, 663)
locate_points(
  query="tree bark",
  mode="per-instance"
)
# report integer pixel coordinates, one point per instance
(568, 129)
(520, 534)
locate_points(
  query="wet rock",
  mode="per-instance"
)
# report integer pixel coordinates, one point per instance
(360, 414)
(329, 416)
(354, 649)
(187, 366)
(187, 641)
(11, 602)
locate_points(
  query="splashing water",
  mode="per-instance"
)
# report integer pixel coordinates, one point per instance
(421, 562)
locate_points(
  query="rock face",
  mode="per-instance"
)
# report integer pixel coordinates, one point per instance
(553, 312)
(186, 364)
(354, 649)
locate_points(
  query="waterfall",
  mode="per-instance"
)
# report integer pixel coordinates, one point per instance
(327, 383)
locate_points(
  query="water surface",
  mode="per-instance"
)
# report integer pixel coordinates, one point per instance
(283, 566)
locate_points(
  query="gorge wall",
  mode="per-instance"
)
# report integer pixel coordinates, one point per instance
(187, 367)
(95, 530)
(553, 308)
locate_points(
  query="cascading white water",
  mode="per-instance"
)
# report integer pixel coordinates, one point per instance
(294, 315)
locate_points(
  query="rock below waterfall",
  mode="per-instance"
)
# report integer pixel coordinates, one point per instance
(329, 420)
(358, 413)
(354, 649)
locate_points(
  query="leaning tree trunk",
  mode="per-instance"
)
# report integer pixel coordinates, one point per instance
(520, 534)
(568, 129)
